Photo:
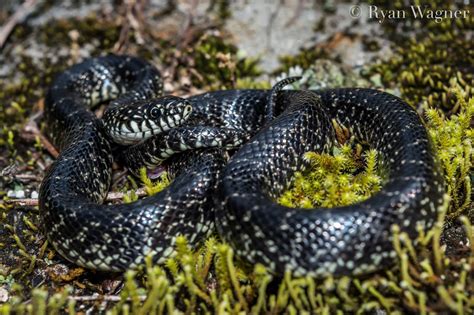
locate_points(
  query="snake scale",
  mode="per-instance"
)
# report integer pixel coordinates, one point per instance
(235, 197)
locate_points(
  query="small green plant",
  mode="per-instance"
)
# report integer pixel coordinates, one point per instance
(154, 187)
(151, 187)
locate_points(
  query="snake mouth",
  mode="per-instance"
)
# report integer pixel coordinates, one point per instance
(159, 119)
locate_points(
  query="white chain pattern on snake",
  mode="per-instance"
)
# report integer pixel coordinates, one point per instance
(237, 198)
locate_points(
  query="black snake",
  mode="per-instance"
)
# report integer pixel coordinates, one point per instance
(238, 197)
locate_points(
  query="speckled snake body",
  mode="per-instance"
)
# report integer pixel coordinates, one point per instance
(238, 198)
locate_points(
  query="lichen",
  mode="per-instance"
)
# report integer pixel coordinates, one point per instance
(323, 74)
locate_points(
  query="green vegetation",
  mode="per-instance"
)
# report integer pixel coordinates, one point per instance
(208, 281)
(341, 179)
(429, 63)
(304, 59)
(219, 64)
(334, 180)
(453, 139)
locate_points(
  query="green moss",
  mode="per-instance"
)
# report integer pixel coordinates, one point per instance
(334, 180)
(304, 59)
(436, 58)
(342, 179)
(219, 64)
(222, 9)
(453, 139)
(101, 32)
(20, 97)
(250, 83)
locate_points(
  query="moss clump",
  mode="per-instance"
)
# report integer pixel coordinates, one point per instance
(304, 59)
(151, 186)
(433, 60)
(219, 64)
(342, 179)
(337, 180)
(19, 98)
(222, 9)
(453, 139)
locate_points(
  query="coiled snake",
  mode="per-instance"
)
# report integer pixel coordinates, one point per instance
(237, 198)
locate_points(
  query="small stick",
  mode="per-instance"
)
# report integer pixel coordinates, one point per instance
(132, 19)
(18, 17)
(26, 176)
(111, 196)
(29, 202)
(32, 127)
(98, 297)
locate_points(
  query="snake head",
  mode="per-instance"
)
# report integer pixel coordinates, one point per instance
(133, 123)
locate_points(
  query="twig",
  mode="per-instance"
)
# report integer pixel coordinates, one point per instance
(111, 196)
(132, 19)
(98, 297)
(187, 31)
(32, 127)
(24, 202)
(124, 30)
(25, 9)
(26, 177)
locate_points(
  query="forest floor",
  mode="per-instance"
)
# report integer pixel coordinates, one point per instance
(208, 45)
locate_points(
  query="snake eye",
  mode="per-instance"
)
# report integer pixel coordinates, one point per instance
(154, 112)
